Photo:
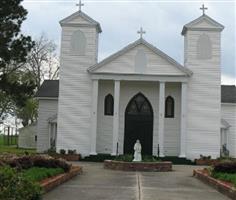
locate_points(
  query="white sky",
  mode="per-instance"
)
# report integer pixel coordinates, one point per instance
(120, 20)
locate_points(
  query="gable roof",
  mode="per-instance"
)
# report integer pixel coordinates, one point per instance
(49, 89)
(131, 46)
(216, 25)
(228, 94)
(81, 14)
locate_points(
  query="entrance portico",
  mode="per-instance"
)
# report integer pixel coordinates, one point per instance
(155, 89)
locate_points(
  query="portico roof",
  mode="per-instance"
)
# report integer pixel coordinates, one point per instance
(94, 69)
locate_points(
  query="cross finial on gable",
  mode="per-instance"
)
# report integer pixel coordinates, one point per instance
(203, 8)
(141, 32)
(80, 4)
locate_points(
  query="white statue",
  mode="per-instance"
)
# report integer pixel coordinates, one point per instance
(137, 152)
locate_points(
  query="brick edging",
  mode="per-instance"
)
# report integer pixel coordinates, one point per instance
(217, 184)
(53, 182)
(138, 166)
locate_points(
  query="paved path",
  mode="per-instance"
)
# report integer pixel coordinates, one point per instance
(97, 183)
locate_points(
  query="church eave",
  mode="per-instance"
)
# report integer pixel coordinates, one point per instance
(190, 25)
(67, 21)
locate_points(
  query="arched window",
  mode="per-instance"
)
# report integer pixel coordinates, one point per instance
(78, 43)
(109, 105)
(204, 47)
(169, 107)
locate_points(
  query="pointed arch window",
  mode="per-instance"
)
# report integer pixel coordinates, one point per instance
(109, 105)
(169, 107)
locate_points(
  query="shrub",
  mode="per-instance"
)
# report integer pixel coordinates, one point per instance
(205, 157)
(51, 151)
(72, 152)
(51, 163)
(227, 167)
(14, 186)
(62, 151)
(125, 158)
(25, 162)
(98, 158)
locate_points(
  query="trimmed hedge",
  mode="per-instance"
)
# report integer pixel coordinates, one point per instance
(26, 162)
(225, 167)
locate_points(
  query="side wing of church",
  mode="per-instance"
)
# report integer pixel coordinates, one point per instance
(138, 93)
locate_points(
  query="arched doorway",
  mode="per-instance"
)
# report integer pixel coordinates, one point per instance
(138, 124)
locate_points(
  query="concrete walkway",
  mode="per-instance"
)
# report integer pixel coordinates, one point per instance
(97, 183)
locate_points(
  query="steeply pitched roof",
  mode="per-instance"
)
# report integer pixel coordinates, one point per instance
(131, 46)
(49, 89)
(228, 94)
(191, 25)
(81, 14)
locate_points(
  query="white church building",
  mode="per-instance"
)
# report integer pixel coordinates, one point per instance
(138, 93)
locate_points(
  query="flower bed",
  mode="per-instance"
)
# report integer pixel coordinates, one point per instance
(224, 187)
(138, 166)
(50, 183)
(32, 173)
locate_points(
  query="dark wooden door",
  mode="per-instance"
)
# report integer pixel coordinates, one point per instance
(138, 125)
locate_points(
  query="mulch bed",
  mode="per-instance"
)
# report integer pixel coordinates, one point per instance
(224, 187)
(50, 183)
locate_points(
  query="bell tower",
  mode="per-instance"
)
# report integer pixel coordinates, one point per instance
(202, 55)
(79, 51)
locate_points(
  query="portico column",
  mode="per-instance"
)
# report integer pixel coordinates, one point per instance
(183, 127)
(116, 117)
(94, 117)
(161, 118)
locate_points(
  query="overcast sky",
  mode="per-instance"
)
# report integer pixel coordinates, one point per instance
(120, 20)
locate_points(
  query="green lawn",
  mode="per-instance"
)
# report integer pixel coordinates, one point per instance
(13, 139)
(40, 173)
(225, 177)
(1, 140)
(15, 150)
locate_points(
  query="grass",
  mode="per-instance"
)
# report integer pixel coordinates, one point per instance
(225, 177)
(37, 174)
(13, 139)
(15, 150)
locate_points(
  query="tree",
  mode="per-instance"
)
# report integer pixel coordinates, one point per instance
(14, 49)
(43, 61)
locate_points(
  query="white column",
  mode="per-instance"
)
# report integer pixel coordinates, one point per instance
(183, 126)
(116, 117)
(161, 118)
(94, 117)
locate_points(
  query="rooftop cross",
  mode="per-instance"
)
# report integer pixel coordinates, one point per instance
(203, 8)
(141, 32)
(80, 4)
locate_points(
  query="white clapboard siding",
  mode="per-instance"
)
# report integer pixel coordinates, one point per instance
(203, 114)
(172, 125)
(47, 108)
(75, 89)
(228, 113)
(126, 63)
(105, 122)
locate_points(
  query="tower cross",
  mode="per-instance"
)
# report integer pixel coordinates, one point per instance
(80, 4)
(203, 8)
(141, 32)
